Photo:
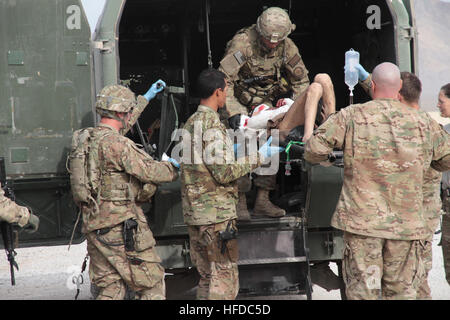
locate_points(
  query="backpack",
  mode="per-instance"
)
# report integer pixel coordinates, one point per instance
(83, 167)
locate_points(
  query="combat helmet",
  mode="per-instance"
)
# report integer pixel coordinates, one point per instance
(115, 98)
(274, 24)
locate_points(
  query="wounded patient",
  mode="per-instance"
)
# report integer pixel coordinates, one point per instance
(309, 110)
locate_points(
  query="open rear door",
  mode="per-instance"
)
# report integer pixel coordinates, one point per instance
(46, 94)
(106, 45)
(413, 36)
(405, 34)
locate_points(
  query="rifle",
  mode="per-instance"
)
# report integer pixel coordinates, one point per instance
(144, 142)
(255, 79)
(8, 234)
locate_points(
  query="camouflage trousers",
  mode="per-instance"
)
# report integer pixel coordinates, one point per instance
(445, 227)
(111, 268)
(375, 268)
(424, 291)
(219, 277)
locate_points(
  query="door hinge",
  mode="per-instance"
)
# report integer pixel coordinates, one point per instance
(102, 45)
(410, 33)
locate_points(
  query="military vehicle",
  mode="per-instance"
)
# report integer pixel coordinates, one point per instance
(52, 68)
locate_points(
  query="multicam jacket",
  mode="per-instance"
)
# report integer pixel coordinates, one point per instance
(432, 203)
(446, 175)
(125, 170)
(244, 59)
(208, 188)
(431, 184)
(388, 148)
(12, 212)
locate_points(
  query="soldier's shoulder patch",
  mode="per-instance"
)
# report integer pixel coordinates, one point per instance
(240, 58)
(232, 62)
(294, 60)
(298, 72)
(249, 51)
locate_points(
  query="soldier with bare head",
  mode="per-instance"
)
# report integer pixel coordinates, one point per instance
(209, 192)
(263, 66)
(444, 107)
(388, 148)
(410, 95)
(120, 178)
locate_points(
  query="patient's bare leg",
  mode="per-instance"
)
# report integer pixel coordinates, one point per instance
(328, 96)
(294, 117)
(313, 95)
(304, 109)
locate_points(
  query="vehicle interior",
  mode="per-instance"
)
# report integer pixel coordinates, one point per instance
(168, 39)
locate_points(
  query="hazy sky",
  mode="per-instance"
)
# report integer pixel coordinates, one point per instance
(93, 9)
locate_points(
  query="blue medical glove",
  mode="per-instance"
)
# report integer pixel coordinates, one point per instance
(236, 148)
(157, 87)
(267, 151)
(174, 163)
(362, 74)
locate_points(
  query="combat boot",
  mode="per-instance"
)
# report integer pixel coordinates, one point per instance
(323, 276)
(263, 206)
(242, 210)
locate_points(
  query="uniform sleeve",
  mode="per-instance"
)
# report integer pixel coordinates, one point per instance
(296, 72)
(235, 57)
(12, 212)
(367, 85)
(141, 104)
(140, 165)
(330, 135)
(441, 148)
(219, 157)
(232, 105)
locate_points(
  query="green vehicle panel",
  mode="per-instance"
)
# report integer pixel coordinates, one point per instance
(51, 70)
(45, 95)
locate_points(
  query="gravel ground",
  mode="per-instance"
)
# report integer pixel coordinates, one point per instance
(46, 274)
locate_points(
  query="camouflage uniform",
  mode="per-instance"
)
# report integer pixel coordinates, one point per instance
(367, 85)
(12, 212)
(388, 148)
(432, 212)
(209, 198)
(445, 227)
(245, 58)
(282, 70)
(128, 175)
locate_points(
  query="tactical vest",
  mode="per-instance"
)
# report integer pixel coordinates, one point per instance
(89, 182)
(260, 78)
(117, 186)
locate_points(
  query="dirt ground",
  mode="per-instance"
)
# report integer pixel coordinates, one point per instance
(46, 273)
